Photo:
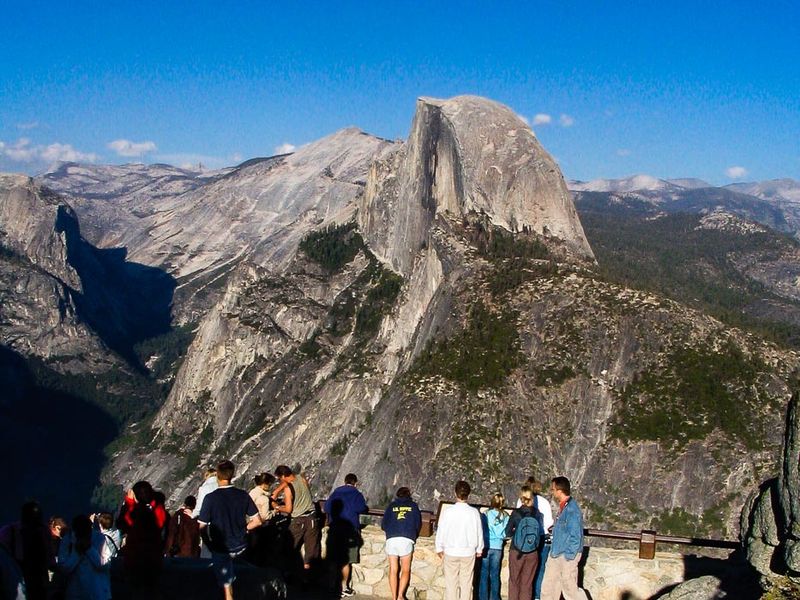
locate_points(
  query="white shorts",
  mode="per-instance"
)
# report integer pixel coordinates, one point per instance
(399, 546)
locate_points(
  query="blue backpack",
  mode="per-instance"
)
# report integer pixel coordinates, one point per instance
(527, 534)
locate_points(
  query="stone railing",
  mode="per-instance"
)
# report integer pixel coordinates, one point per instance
(608, 574)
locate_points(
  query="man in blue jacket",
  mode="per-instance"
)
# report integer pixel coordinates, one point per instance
(343, 508)
(561, 571)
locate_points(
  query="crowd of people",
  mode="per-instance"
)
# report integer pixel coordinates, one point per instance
(278, 524)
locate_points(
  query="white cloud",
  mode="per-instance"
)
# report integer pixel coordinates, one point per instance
(566, 120)
(285, 148)
(64, 152)
(128, 148)
(623, 152)
(28, 125)
(542, 119)
(736, 172)
(23, 151)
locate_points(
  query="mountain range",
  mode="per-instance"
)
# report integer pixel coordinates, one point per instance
(415, 312)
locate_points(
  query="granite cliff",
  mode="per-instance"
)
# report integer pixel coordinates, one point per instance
(446, 318)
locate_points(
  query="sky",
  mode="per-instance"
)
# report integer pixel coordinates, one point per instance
(673, 89)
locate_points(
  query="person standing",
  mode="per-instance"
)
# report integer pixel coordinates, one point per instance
(545, 513)
(344, 508)
(401, 521)
(227, 515)
(140, 520)
(259, 544)
(183, 534)
(28, 542)
(81, 560)
(459, 541)
(494, 522)
(525, 532)
(209, 485)
(561, 573)
(298, 503)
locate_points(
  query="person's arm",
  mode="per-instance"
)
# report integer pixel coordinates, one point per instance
(574, 532)
(288, 501)
(387, 513)
(277, 491)
(417, 520)
(253, 517)
(362, 506)
(478, 532)
(441, 535)
(512, 524)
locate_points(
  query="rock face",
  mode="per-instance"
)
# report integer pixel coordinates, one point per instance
(39, 284)
(466, 154)
(459, 329)
(771, 518)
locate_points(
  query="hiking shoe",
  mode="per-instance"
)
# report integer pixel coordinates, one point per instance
(347, 592)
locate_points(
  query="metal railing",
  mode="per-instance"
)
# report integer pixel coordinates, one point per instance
(647, 539)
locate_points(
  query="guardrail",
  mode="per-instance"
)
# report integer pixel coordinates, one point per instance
(646, 538)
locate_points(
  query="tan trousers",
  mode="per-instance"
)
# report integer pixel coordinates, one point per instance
(561, 577)
(458, 574)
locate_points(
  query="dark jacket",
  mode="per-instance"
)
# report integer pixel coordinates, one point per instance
(345, 505)
(402, 519)
(516, 517)
(144, 546)
(183, 537)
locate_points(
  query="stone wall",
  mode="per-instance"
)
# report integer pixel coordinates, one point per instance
(608, 574)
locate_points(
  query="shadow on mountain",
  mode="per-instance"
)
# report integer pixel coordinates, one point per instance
(51, 442)
(123, 302)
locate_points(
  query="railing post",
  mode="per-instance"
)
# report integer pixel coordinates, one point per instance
(647, 544)
(427, 524)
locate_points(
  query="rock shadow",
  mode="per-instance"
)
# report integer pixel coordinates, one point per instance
(52, 441)
(123, 302)
(738, 579)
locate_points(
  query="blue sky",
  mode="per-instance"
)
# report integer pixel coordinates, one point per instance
(667, 88)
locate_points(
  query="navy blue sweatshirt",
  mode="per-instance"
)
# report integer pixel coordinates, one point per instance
(402, 519)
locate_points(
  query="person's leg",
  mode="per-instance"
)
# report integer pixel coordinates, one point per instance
(347, 571)
(228, 589)
(405, 575)
(514, 566)
(543, 554)
(450, 571)
(394, 567)
(483, 583)
(495, 562)
(296, 531)
(569, 580)
(527, 575)
(466, 574)
(551, 583)
(311, 541)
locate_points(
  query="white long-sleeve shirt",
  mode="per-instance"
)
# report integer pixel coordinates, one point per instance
(209, 485)
(459, 531)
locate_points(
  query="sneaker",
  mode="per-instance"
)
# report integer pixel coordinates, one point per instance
(347, 592)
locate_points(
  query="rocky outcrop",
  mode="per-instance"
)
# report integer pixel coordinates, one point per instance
(789, 488)
(464, 155)
(770, 519)
(38, 283)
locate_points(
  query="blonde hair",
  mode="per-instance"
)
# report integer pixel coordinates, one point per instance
(526, 495)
